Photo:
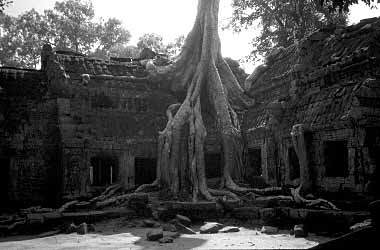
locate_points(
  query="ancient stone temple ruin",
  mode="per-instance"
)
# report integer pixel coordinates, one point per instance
(317, 117)
(80, 123)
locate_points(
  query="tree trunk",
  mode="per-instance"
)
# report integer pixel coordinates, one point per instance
(210, 85)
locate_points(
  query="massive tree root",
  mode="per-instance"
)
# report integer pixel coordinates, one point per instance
(210, 86)
(315, 203)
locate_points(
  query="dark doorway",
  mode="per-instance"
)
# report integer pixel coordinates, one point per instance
(213, 165)
(373, 142)
(376, 176)
(374, 187)
(103, 171)
(4, 179)
(294, 164)
(145, 170)
(254, 162)
(336, 158)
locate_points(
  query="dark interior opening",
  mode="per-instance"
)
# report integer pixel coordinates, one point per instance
(375, 181)
(213, 165)
(4, 179)
(254, 162)
(336, 158)
(145, 170)
(103, 171)
(294, 164)
(373, 142)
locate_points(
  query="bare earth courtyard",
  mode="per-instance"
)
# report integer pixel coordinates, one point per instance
(115, 234)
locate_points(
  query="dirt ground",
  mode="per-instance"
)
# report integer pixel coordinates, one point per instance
(119, 234)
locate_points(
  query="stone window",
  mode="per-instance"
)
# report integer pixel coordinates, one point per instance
(145, 170)
(213, 165)
(103, 171)
(294, 165)
(254, 162)
(336, 158)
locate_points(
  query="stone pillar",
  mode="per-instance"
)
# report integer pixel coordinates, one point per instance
(300, 146)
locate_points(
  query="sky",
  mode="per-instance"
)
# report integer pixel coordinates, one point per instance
(172, 18)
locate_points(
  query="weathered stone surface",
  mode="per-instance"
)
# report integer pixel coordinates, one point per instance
(310, 197)
(82, 204)
(52, 216)
(149, 223)
(361, 225)
(166, 240)
(245, 213)
(82, 228)
(210, 228)
(169, 228)
(163, 213)
(183, 220)
(183, 229)
(299, 231)
(35, 219)
(267, 214)
(229, 229)
(269, 230)
(138, 202)
(91, 228)
(72, 228)
(154, 234)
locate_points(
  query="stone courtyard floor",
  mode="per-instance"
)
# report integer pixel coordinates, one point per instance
(117, 234)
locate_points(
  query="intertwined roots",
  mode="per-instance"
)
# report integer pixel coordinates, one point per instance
(210, 85)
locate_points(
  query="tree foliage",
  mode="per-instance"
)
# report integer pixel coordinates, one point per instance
(111, 33)
(155, 42)
(152, 41)
(73, 25)
(69, 25)
(22, 39)
(3, 4)
(343, 5)
(281, 23)
(174, 48)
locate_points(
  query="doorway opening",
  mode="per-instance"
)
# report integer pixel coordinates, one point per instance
(213, 165)
(145, 170)
(294, 164)
(254, 162)
(103, 171)
(336, 158)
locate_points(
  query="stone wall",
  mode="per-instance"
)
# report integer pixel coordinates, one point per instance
(328, 83)
(105, 111)
(29, 138)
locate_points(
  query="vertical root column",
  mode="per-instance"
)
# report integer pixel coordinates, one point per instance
(196, 153)
(192, 157)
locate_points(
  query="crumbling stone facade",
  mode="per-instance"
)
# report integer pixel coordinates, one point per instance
(76, 125)
(80, 124)
(317, 118)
